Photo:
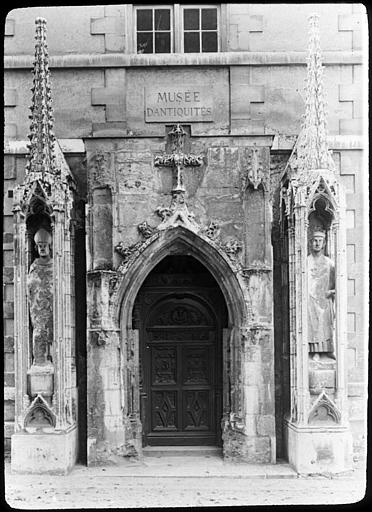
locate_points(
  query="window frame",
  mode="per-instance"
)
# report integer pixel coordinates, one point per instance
(154, 8)
(176, 29)
(182, 29)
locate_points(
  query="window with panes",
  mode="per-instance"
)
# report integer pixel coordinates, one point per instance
(198, 31)
(154, 30)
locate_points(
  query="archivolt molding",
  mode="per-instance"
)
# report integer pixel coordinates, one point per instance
(179, 217)
(145, 255)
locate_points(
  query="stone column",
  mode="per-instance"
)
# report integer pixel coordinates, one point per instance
(21, 321)
(106, 376)
(252, 432)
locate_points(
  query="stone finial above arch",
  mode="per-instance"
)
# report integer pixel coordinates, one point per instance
(180, 240)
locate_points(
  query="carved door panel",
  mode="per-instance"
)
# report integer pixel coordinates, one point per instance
(180, 375)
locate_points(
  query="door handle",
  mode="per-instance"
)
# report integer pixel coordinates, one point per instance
(147, 346)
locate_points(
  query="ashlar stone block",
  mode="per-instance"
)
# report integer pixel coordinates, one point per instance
(53, 453)
(9, 27)
(10, 97)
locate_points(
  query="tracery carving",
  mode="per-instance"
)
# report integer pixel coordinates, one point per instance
(164, 365)
(39, 415)
(182, 315)
(311, 149)
(324, 410)
(196, 366)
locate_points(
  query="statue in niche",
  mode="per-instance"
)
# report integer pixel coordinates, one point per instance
(40, 299)
(321, 293)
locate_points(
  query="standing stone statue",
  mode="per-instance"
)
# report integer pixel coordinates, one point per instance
(321, 292)
(40, 298)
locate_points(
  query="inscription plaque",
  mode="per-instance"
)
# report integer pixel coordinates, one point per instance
(178, 104)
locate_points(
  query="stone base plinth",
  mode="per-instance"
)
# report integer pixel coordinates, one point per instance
(319, 450)
(49, 453)
(238, 447)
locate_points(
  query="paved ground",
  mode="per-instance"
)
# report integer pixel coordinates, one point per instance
(180, 482)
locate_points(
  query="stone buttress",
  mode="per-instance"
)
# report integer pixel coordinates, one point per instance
(45, 438)
(313, 207)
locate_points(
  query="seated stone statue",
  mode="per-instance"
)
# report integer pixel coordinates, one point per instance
(40, 299)
(321, 292)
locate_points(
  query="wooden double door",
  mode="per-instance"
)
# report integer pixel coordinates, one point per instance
(180, 361)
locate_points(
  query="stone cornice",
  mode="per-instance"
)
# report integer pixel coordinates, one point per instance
(181, 59)
(20, 147)
(335, 142)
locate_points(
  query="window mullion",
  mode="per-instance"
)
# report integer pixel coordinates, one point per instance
(177, 34)
(200, 32)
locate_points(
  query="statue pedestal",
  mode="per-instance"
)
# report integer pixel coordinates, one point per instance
(40, 380)
(319, 449)
(44, 453)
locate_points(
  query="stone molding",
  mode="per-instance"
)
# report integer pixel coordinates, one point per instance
(20, 147)
(335, 142)
(229, 249)
(112, 60)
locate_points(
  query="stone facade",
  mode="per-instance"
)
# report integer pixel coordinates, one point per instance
(113, 124)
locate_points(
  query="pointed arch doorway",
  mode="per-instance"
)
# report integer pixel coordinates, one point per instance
(180, 313)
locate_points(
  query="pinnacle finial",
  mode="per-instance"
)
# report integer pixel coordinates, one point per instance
(41, 157)
(311, 149)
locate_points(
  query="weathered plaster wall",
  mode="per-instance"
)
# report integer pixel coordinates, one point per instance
(70, 27)
(260, 27)
(254, 27)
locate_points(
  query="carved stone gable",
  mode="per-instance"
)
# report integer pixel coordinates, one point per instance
(324, 411)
